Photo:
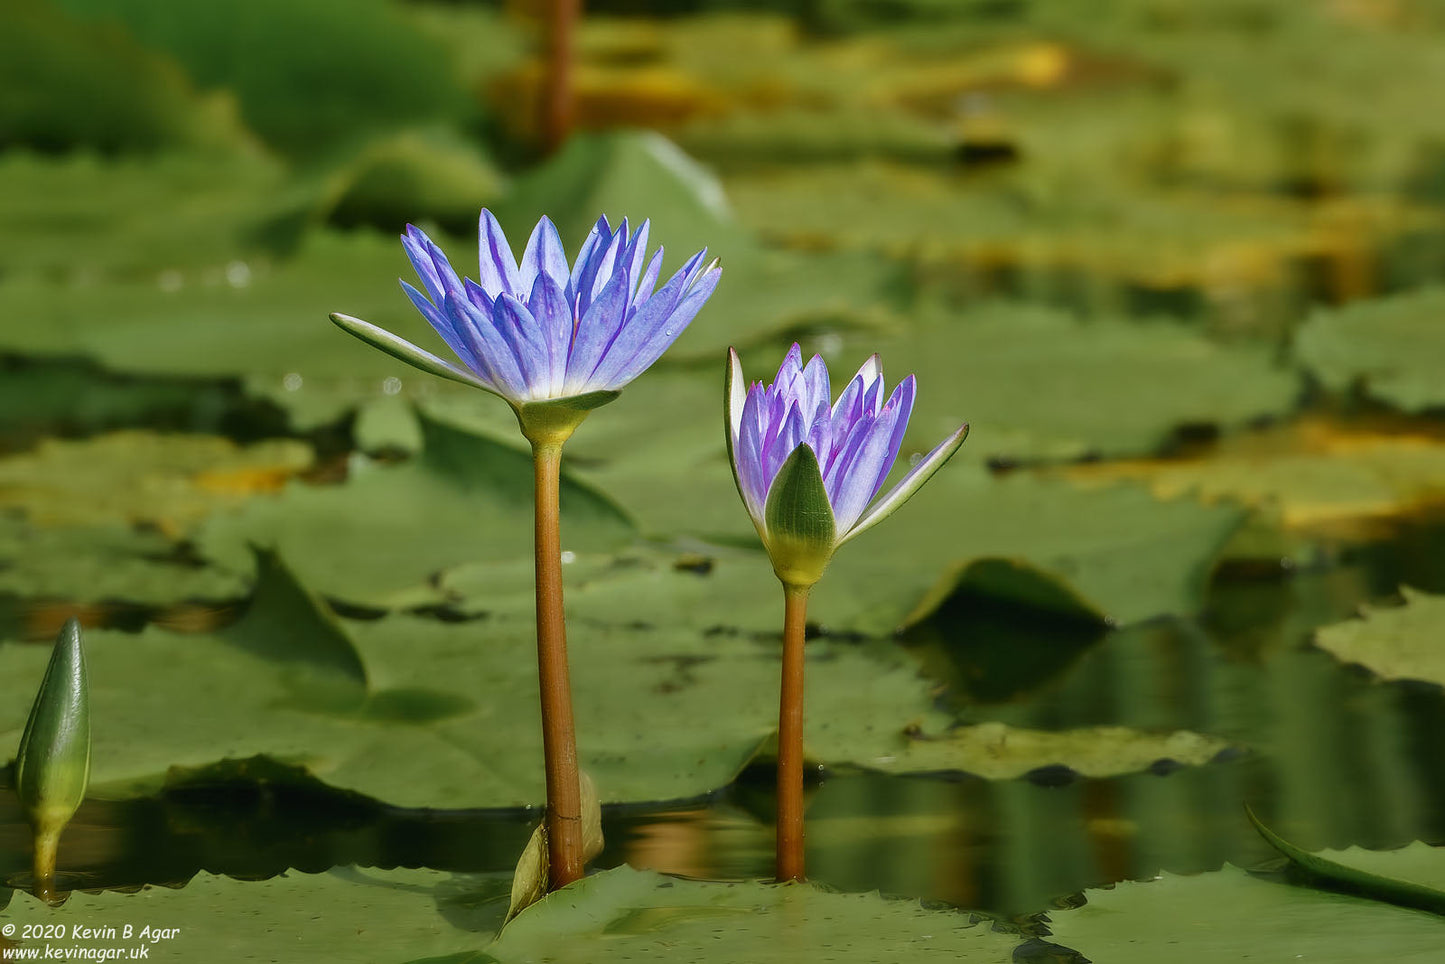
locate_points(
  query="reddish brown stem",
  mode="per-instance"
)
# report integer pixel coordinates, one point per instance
(559, 738)
(557, 82)
(790, 737)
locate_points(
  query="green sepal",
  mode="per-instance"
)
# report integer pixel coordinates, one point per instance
(555, 419)
(52, 767)
(801, 532)
(403, 350)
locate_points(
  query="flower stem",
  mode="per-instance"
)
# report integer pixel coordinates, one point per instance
(790, 736)
(559, 738)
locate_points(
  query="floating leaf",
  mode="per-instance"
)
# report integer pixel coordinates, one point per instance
(1372, 873)
(1310, 476)
(1396, 642)
(347, 915)
(1229, 915)
(1387, 348)
(388, 528)
(629, 915)
(169, 482)
(93, 563)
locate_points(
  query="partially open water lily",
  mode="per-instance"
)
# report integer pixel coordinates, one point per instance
(540, 334)
(808, 470)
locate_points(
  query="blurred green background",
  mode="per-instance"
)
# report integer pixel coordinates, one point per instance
(1175, 261)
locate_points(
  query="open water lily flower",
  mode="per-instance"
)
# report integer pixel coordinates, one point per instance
(809, 471)
(540, 331)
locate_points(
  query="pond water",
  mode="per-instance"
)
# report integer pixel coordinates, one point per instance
(1323, 753)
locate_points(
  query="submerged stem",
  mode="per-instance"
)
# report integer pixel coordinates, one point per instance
(790, 736)
(559, 738)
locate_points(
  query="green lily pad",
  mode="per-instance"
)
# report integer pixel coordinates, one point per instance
(82, 564)
(1038, 384)
(158, 222)
(1386, 348)
(630, 915)
(1000, 752)
(1311, 476)
(168, 482)
(1230, 916)
(388, 528)
(1113, 554)
(1409, 877)
(425, 713)
(1395, 642)
(346, 915)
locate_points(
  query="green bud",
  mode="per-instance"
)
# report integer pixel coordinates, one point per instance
(801, 533)
(52, 767)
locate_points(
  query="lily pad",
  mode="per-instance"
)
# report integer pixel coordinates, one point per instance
(1310, 476)
(1386, 348)
(1409, 877)
(1039, 384)
(1395, 642)
(630, 915)
(999, 752)
(81, 564)
(1229, 916)
(388, 528)
(347, 915)
(424, 713)
(168, 482)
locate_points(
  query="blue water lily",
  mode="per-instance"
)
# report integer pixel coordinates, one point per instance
(809, 471)
(539, 330)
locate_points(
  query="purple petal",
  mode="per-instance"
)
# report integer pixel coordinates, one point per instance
(849, 439)
(819, 434)
(525, 340)
(649, 280)
(478, 296)
(849, 406)
(858, 480)
(635, 252)
(815, 387)
(431, 265)
(492, 351)
(597, 273)
(496, 268)
(791, 368)
(549, 307)
(902, 401)
(596, 330)
(597, 239)
(779, 446)
(544, 255)
(749, 453)
(650, 346)
(444, 326)
(627, 341)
